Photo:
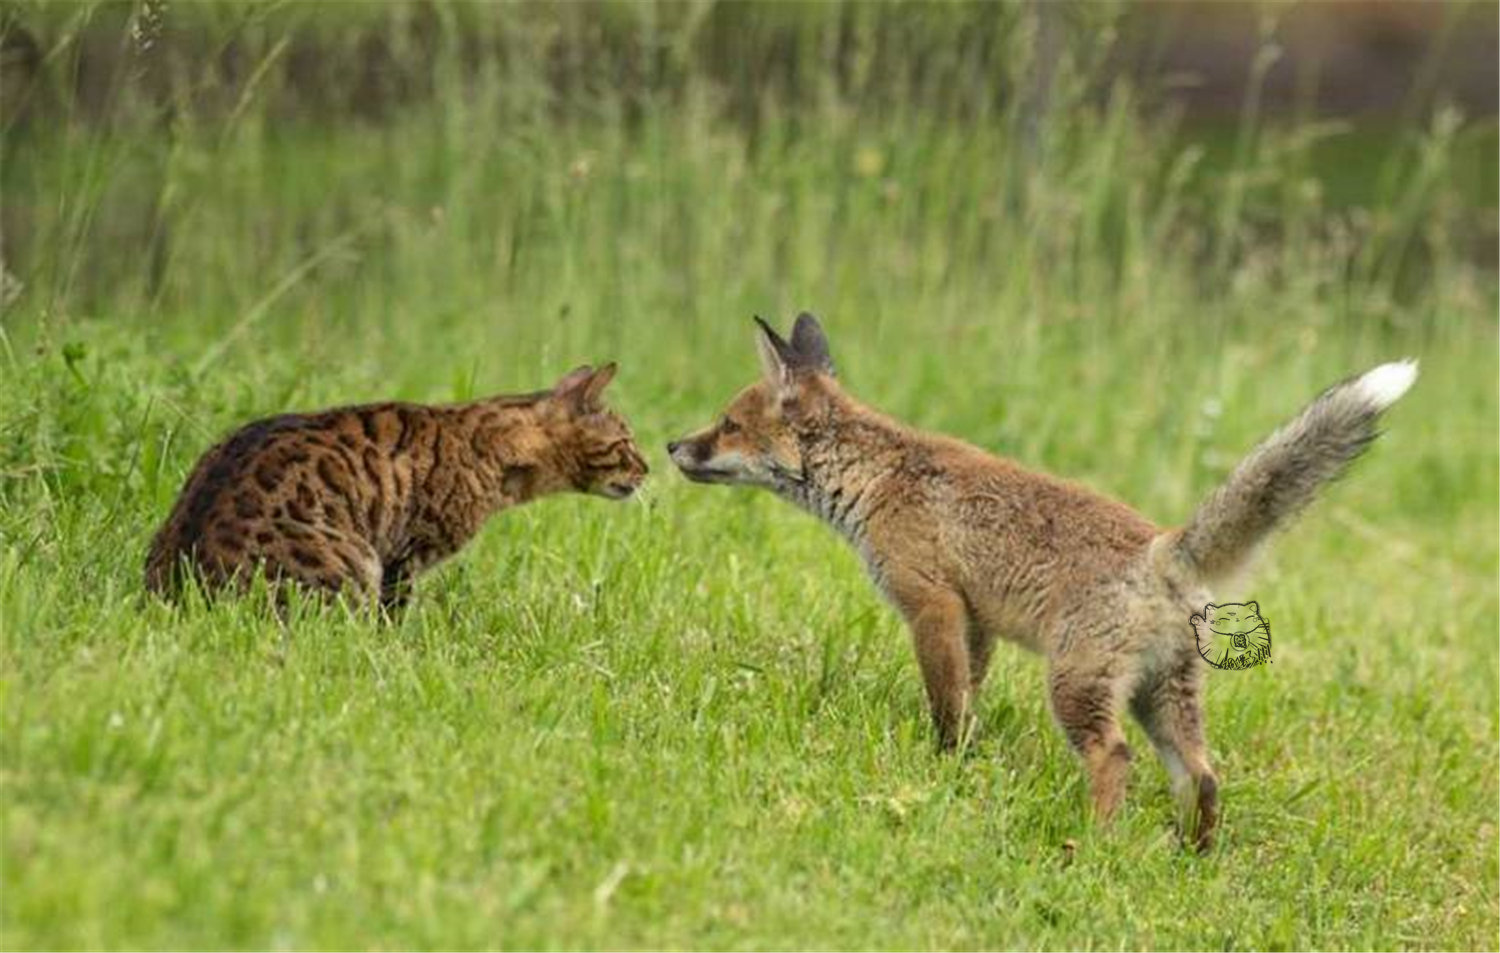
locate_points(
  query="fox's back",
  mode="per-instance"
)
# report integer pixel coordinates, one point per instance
(1013, 540)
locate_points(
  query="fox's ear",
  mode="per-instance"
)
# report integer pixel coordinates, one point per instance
(807, 351)
(776, 356)
(810, 344)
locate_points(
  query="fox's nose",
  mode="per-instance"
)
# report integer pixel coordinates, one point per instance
(672, 445)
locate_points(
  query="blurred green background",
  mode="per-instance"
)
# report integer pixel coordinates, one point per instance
(137, 126)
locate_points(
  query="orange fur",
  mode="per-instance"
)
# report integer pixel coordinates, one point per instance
(971, 547)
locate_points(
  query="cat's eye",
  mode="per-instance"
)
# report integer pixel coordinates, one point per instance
(727, 426)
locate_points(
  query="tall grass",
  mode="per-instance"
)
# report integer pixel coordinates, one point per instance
(690, 722)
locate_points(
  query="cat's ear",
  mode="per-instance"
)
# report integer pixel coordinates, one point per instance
(574, 378)
(1254, 607)
(596, 383)
(571, 388)
(1210, 607)
(580, 388)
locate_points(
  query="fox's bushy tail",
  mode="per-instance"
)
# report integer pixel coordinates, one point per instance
(1283, 474)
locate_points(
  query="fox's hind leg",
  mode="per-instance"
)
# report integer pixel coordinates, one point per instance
(1169, 705)
(1087, 694)
(981, 649)
(939, 626)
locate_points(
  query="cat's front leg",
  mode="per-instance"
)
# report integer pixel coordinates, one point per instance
(395, 590)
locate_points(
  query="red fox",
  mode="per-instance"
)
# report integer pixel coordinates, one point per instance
(970, 547)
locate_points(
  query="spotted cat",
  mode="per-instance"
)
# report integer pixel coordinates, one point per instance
(359, 500)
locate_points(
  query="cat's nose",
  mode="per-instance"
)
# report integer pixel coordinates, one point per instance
(672, 445)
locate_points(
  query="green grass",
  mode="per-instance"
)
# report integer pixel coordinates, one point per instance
(689, 721)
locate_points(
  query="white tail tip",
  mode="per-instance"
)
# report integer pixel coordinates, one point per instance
(1384, 385)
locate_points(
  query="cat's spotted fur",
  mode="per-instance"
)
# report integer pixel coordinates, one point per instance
(360, 499)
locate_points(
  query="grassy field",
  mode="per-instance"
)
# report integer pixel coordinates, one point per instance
(688, 721)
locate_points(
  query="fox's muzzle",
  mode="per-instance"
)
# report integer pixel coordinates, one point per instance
(683, 452)
(687, 454)
(692, 456)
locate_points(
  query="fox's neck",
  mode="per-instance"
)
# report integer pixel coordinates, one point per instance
(844, 467)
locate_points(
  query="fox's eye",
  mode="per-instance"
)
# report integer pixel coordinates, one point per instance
(727, 426)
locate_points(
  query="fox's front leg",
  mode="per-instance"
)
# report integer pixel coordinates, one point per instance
(939, 627)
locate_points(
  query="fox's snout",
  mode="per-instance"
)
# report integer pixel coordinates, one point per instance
(702, 459)
(687, 453)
